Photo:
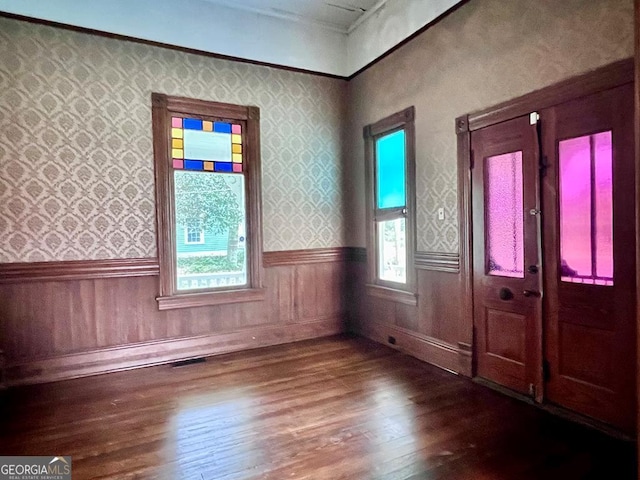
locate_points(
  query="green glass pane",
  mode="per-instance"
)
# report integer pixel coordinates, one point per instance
(390, 171)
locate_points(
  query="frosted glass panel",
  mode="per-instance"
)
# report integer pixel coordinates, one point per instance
(211, 206)
(504, 215)
(390, 170)
(586, 209)
(202, 145)
(392, 253)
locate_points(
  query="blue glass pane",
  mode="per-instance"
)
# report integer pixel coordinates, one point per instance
(390, 170)
(193, 165)
(221, 127)
(192, 124)
(223, 167)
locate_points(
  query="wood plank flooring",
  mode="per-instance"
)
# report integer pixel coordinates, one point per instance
(333, 408)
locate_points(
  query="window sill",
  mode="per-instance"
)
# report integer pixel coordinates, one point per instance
(386, 293)
(189, 300)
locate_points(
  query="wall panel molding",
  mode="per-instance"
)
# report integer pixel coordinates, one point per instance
(146, 354)
(357, 254)
(77, 270)
(139, 267)
(439, 262)
(315, 255)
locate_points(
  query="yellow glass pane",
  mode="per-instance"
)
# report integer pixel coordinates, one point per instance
(177, 143)
(208, 166)
(176, 133)
(236, 138)
(235, 148)
(207, 126)
(237, 158)
(177, 153)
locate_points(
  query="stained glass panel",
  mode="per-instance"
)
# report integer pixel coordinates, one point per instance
(193, 165)
(586, 209)
(504, 215)
(390, 170)
(222, 127)
(206, 145)
(192, 124)
(223, 167)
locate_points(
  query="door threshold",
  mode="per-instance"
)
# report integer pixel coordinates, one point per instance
(558, 411)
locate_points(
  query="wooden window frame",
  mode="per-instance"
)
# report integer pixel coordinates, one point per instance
(388, 290)
(163, 108)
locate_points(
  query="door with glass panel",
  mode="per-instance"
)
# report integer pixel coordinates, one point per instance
(506, 270)
(588, 218)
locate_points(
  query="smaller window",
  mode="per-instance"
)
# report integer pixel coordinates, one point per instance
(193, 235)
(390, 164)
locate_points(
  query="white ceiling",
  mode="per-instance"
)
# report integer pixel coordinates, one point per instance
(339, 15)
(337, 37)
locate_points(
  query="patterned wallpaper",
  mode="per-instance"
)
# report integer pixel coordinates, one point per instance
(76, 159)
(76, 167)
(486, 52)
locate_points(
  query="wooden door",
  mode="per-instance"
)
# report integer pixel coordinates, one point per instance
(588, 218)
(506, 270)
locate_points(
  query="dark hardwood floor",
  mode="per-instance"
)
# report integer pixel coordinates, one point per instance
(334, 408)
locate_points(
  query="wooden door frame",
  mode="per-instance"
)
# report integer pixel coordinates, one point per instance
(637, 137)
(603, 78)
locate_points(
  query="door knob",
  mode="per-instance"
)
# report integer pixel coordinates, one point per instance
(533, 269)
(531, 293)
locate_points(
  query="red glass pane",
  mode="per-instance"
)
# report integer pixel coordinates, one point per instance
(504, 215)
(586, 209)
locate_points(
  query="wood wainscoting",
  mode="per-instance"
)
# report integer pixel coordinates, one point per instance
(63, 320)
(430, 330)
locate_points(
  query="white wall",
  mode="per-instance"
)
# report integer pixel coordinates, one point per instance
(202, 26)
(394, 21)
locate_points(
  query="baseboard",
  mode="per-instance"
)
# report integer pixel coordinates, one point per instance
(465, 352)
(423, 347)
(145, 354)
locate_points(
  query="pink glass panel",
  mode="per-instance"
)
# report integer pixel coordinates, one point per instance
(586, 209)
(504, 215)
(179, 164)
